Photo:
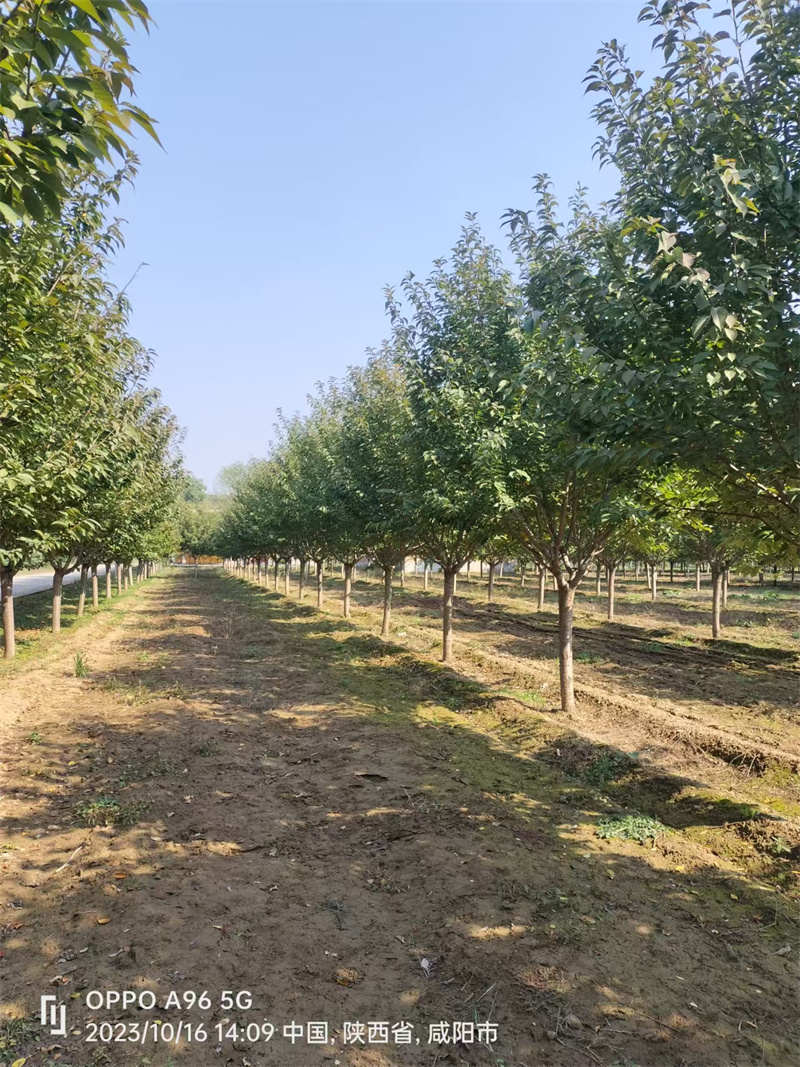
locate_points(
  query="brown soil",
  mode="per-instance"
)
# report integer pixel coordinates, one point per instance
(351, 833)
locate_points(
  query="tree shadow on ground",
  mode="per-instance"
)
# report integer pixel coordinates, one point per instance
(306, 826)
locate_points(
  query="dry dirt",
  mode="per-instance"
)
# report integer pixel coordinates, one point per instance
(351, 833)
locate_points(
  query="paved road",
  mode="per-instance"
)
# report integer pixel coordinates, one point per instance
(36, 581)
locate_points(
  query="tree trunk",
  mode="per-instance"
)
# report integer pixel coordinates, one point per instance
(286, 576)
(426, 571)
(697, 577)
(447, 615)
(611, 576)
(491, 582)
(725, 576)
(319, 563)
(300, 589)
(58, 585)
(82, 593)
(455, 581)
(95, 588)
(348, 589)
(522, 577)
(119, 579)
(403, 573)
(716, 600)
(566, 600)
(653, 582)
(108, 580)
(597, 583)
(387, 600)
(7, 598)
(542, 581)
(672, 571)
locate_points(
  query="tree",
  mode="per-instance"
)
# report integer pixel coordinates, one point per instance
(65, 88)
(456, 333)
(567, 474)
(706, 269)
(377, 470)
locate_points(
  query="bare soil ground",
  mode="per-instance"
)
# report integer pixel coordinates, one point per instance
(245, 794)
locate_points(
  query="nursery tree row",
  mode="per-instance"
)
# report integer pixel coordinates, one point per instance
(630, 391)
(88, 470)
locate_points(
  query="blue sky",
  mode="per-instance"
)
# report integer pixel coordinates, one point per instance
(315, 152)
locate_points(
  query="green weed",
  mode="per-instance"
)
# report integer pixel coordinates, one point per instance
(34, 738)
(606, 768)
(105, 811)
(81, 666)
(639, 828)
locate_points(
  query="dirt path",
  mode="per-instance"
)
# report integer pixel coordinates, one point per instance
(291, 816)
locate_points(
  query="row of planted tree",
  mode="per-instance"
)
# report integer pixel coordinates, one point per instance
(630, 391)
(88, 468)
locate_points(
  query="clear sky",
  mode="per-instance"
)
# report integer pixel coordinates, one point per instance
(315, 152)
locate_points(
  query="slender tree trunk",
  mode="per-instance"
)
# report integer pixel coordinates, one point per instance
(522, 577)
(653, 582)
(286, 576)
(319, 563)
(301, 587)
(387, 601)
(566, 601)
(697, 577)
(348, 589)
(7, 598)
(597, 584)
(455, 581)
(95, 588)
(275, 580)
(542, 582)
(672, 571)
(611, 577)
(119, 579)
(716, 600)
(555, 584)
(725, 577)
(108, 580)
(58, 585)
(82, 593)
(447, 614)
(425, 576)
(491, 583)
(403, 573)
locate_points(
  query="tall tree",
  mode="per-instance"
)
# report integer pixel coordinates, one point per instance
(457, 333)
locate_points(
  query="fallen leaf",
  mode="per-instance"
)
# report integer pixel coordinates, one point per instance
(103, 920)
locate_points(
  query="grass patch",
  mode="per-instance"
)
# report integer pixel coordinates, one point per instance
(105, 811)
(34, 738)
(639, 828)
(81, 665)
(526, 696)
(607, 768)
(14, 1034)
(589, 657)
